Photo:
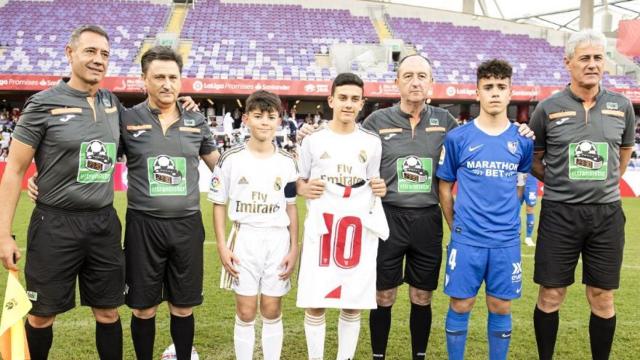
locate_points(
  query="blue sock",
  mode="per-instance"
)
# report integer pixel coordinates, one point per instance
(531, 220)
(499, 334)
(456, 326)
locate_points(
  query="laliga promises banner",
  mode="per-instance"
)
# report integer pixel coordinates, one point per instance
(376, 90)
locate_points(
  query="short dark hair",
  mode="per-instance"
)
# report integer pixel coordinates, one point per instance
(347, 79)
(263, 100)
(494, 68)
(163, 53)
(75, 34)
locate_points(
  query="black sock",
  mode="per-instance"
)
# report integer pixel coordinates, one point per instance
(143, 334)
(109, 340)
(39, 340)
(601, 333)
(379, 326)
(420, 326)
(182, 329)
(546, 328)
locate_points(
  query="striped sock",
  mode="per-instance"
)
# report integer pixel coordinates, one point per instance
(348, 332)
(314, 330)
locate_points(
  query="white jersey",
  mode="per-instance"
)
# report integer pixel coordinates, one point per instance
(338, 264)
(254, 188)
(340, 159)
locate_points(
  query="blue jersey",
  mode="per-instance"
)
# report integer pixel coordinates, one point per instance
(487, 208)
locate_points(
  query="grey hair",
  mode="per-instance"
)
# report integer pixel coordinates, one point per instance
(586, 36)
(75, 35)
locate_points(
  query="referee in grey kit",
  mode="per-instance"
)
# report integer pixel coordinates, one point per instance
(72, 131)
(412, 135)
(164, 232)
(584, 137)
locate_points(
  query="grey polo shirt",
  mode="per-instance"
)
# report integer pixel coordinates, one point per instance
(76, 145)
(410, 157)
(163, 168)
(582, 147)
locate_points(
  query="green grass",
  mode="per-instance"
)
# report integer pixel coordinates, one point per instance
(74, 330)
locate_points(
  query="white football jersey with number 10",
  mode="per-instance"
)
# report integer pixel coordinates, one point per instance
(338, 264)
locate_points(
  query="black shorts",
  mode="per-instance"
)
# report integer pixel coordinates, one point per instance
(164, 260)
(416, 233)
(568, 230)
(65, 244)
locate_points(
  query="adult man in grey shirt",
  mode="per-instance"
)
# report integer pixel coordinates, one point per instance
(72, 130)
(412, 134)
(584, 138)
(164, 232)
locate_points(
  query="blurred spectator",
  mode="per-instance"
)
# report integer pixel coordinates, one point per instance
(237, 118)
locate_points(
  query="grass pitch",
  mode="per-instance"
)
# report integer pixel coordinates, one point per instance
(74, 330)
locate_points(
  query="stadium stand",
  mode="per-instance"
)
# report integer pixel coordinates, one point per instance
(35, 33)
(266, 41)
(457, 50)
(253, 41)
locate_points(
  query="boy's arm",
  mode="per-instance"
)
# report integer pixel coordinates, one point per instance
(445, 189)
(289, 261)
(228, 259)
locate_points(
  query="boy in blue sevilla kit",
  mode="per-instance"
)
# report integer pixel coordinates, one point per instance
(485, 157)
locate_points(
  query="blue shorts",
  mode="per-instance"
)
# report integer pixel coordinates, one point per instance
(467, 266)
(530, 195)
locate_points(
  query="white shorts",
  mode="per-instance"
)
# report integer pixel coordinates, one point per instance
(260, 251)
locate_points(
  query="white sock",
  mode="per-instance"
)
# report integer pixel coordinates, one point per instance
(244, 338)
(348, 332)
(314, 330)
(272, 335)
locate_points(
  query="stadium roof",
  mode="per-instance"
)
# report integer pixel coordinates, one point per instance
(557, 14)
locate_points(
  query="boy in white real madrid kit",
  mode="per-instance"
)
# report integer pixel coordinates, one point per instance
(339, 177)
(255, 182)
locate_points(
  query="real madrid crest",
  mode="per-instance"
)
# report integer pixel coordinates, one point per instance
(362, 156)
(277, 185)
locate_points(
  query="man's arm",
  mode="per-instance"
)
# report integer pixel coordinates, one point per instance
(20, 157)
(211, 159)
(445, 190)
(537, 169)
(625, 156)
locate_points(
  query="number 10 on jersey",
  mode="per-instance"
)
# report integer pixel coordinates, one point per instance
(343, 242)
